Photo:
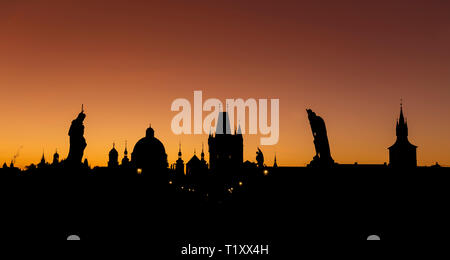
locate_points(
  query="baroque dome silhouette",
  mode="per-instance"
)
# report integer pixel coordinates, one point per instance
(149, 153)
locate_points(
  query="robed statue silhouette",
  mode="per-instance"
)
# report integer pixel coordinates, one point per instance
(319, 130)
(260, 158)
(77, 141)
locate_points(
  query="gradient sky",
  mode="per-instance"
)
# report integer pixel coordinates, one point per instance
(350, 61)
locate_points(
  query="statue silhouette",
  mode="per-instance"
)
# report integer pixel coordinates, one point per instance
(260, 158)
(319, 130)
(77, 141)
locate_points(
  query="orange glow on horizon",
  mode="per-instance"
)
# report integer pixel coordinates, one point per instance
(127, 62)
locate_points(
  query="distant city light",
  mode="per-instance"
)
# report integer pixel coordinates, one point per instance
(241, 183)
(139, 171)
(170, 182)
(266, 172)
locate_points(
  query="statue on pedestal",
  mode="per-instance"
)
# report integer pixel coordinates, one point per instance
(77, 141)
(323, 154)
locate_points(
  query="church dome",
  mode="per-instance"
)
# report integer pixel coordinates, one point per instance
(113, 152)
(149, 153)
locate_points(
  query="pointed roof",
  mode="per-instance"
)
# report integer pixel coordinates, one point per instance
(239, 131)
(402, 131)
(43, 157)
(401, 118)
(223, 124)
(275, 165)
(193, 160)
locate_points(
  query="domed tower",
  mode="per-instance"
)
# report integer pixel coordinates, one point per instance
(125, 160)
(113, 157)
(149, 153)
(402, 154)
(55, 158)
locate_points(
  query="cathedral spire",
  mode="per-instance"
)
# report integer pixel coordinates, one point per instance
(179, 150)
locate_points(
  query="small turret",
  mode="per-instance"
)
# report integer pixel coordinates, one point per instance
(113, 157)
(125, 160)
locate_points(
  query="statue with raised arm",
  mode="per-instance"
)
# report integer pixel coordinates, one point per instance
(323, 154)
(77, 141)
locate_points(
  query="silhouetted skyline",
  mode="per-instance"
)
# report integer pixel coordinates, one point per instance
(225, 149)
(118, 57)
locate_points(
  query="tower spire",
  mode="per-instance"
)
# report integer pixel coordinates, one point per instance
(203, 153)
(402, 126)
(402, 118)
(275, 165)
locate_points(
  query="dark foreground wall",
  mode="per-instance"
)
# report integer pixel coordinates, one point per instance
(286, 207)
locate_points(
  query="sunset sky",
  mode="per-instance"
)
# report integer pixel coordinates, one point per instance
(126, 61)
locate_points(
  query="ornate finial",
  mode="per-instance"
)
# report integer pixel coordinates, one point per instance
(114, 144)
(82, 108)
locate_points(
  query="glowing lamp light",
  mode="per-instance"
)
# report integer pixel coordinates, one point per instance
(170, 182)
(266, 172)
(139, 171)
(241, 183)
